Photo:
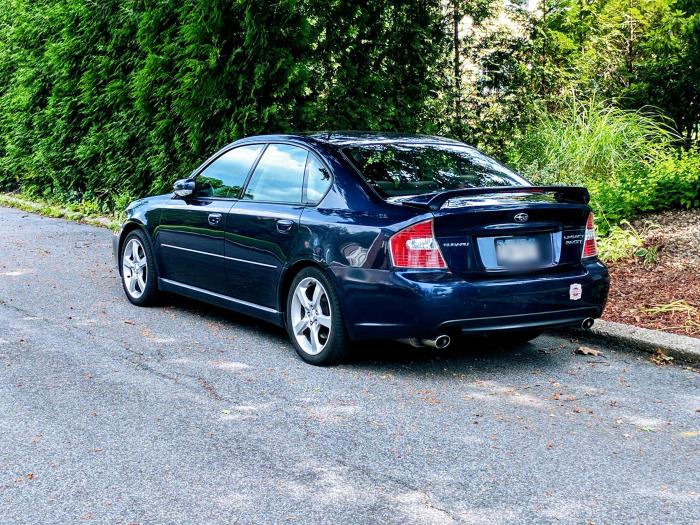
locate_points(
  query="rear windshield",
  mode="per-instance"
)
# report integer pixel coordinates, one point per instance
(396, 170)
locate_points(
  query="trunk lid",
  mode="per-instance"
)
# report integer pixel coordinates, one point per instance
(485, 231)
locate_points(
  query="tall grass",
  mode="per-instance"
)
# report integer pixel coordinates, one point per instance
(589, 140)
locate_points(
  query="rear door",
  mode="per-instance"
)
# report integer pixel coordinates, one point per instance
(263, 227)
(190, 237)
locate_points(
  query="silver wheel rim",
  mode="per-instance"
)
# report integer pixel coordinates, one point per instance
(134, 268)
(311, 316)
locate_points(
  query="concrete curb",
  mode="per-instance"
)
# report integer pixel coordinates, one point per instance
(680, 347)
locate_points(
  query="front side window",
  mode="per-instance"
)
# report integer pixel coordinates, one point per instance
(318, 179)
(279, 176)
(226, 175)
(396, 170)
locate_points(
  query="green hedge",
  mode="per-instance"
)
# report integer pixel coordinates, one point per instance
(103, 101)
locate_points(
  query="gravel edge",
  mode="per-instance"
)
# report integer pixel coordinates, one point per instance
(56, 212)
(680, 347)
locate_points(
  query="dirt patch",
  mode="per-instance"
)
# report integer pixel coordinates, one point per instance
(666, 294)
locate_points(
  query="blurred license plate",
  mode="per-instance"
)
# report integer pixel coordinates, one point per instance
(517, 251)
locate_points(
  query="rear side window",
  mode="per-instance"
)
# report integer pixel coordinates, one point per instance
(279, 176)
(318, 179)
(412, 169)
(226, 175)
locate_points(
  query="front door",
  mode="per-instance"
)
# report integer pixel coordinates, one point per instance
(190, 242)
(190, 237)
(263, 227)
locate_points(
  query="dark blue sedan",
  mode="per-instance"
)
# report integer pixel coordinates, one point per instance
(342, 237)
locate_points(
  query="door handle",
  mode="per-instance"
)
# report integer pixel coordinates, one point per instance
(284, 225)
(214, 219)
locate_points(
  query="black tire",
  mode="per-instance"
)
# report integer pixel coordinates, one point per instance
(515, 337)
(150, 292)
(336, 342)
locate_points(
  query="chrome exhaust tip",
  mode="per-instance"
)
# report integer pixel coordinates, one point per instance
(440, 342)
(587, 323)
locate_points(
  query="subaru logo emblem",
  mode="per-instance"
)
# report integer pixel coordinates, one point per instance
(521, 217)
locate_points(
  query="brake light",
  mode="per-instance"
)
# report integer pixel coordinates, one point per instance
(416, 247)
(589, 246)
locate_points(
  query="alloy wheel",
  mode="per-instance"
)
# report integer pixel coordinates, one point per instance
(134, 268)
(311, 316)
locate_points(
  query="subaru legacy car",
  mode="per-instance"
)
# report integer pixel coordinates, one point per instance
(343, 237)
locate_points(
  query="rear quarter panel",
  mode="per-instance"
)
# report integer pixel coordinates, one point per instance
(348, 230)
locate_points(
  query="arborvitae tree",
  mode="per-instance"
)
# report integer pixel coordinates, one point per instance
(26, 31)
(123, 96)
(666, 74)
(376, 64)
(215, 72)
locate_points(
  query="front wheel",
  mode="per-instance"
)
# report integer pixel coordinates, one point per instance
(314, 318)
(138, 269)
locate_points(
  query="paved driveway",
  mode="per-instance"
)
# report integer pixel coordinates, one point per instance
(185, 413)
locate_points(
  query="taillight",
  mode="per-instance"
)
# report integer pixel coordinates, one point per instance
(416, 247)
(589, 247)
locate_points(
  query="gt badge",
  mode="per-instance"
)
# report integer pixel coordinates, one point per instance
(575, 292)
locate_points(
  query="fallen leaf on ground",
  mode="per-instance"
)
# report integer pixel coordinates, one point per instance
(660, 358)
(587, 350)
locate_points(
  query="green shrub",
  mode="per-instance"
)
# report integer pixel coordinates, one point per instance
(624, 241)
(675, 179)
(670, 180)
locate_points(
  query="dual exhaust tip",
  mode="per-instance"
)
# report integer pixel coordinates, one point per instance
(587, 323)
(440, 342)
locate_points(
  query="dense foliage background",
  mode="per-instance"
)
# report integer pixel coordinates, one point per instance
(104, 101)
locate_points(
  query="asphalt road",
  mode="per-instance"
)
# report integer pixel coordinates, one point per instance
(185, 413)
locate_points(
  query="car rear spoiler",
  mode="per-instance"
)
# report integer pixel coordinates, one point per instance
(430, 201)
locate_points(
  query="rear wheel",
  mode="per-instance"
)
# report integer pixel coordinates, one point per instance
(138, 269)
(314, 319)
(515, 338)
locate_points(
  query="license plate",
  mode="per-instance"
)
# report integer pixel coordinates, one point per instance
(517, 251)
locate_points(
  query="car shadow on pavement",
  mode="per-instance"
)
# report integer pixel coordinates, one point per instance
(464, 353)
(385, 356)
(218, 314)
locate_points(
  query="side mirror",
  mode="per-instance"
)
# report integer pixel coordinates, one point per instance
(183, 187)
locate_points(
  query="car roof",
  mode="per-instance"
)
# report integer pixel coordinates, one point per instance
(354, 138)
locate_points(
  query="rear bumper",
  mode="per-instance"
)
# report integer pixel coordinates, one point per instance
(383, 304)
(564, 317)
